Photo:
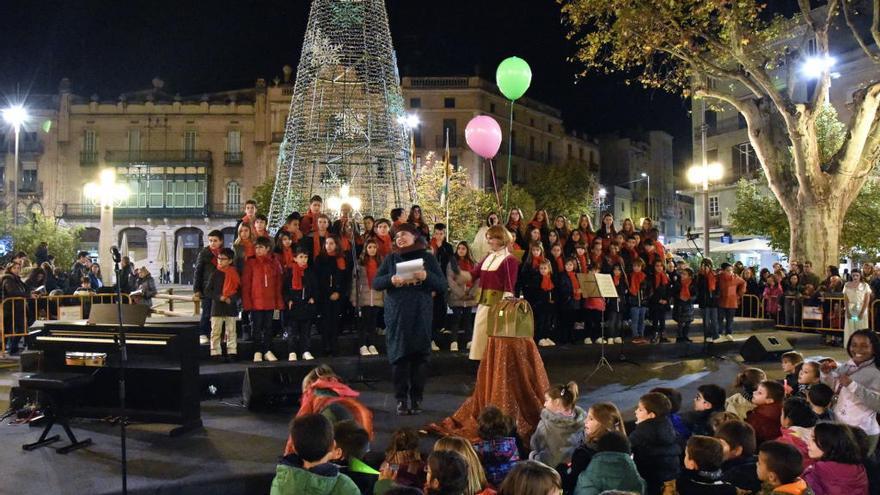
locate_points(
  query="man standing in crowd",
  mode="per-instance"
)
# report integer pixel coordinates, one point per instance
(205, 267)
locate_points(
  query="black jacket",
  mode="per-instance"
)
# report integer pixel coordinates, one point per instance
(445, 255)
(742, 472)
(656, 452)
(205, 267)
(329, 278)
(683, 310)
(214, 290)
(705, 297)
(580, 459)
(703, 483)
(301, 309)
(698, 422)
(565, 292)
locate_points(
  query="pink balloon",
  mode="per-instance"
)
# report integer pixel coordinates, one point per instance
(483, 135)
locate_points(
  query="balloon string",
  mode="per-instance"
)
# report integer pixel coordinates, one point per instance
(494, 183)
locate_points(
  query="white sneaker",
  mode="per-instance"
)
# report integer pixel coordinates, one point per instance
(578, 325)
(588, 341)
(434, 346)
(729, 337)
(618, 340)
(270, 357)
(550, 343)
(468, 346)
(373, 350)
(710, 340)
(308, 356)
(258, 357)
(600, 340)
(364, 351)
(542, 343)
(203, 340)
(291, 356)
(453, 347)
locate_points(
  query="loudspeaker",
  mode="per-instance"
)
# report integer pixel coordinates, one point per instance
(272, 386)
(764, 348)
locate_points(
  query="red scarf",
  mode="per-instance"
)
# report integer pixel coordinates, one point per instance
(582, 261)
(535, 223)
(214, 254)
(340, 260)
(560, 264)
(465, 265)
(575, 286)
(685, 294)
(287, 257)
(660, 278)
(296, 280)
(371, 268)
(435, 246)
(231, 281)
(316, 244)
(596, 259)
(344, 241)
(635, 281)
(616, 279)
(546, 283)
(384, 242)
(615, 259)
(536, 261)
(711, 280)
(514, 226)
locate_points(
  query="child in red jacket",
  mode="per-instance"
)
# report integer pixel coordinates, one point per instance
(261, 295)
(765, 417)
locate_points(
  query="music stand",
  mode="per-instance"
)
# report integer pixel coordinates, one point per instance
(599, 285)
(109, 314)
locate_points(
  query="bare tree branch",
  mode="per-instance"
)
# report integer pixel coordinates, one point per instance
(855, 32)
(847, 162)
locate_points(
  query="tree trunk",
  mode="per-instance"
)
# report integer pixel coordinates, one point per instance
(815, 233)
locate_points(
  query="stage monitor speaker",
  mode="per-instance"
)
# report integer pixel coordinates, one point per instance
(764, 348)
(267, 387)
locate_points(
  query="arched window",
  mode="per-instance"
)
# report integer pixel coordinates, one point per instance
(233, 196)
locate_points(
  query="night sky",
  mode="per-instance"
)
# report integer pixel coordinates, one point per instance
(107, 47)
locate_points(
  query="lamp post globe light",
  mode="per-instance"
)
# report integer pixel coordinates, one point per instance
(649, 211)
(106, 194)
(15, 116)
(702, 175)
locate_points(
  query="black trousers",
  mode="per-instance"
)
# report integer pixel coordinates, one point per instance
(409, 375)
(462, 325)
(298, 335)
(593, 323)
(331, 321)
(262, 330)
(367, 324)
(438, 322)
(205, 317)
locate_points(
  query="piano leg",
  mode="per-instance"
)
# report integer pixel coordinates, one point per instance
(185, 428)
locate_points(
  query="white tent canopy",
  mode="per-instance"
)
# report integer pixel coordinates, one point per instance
(751, 245)
(685, 245)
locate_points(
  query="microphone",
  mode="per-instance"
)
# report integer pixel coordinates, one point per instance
(117, 257)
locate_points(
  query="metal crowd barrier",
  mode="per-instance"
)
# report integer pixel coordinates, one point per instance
(18, 312)
(828, 316)
(751, 306)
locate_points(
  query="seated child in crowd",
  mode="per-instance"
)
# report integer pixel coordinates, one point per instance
(820, 396)
(682, 429)
(531, 477)
(446, 474)
(560, 430)
(655, 446)
(477, 484)
(710, 399)
(497, 446)
(798, 420)
(765, 417)
(746, 382)
(611, 468)
(740, 462)
(404, 458)
(353, 443)
(309, 469)
(838, 468)
(779, 468)
(602, 417)
(703, 457)
(790, 362)
(807, 377)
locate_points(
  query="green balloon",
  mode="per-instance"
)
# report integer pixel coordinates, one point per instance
(513, 77)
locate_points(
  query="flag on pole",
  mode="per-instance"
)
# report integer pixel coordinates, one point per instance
(447, 170)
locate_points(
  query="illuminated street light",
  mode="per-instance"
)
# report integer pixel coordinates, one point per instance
(106, 193)
(410, 121)
(16, 116)
(816, 67)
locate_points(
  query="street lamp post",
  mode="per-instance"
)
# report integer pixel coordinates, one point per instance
(601, 194)
(649, 210)
(703, 174)
(15, 116)
(106, 194)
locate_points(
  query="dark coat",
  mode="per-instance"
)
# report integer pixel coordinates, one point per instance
(698, 422)
(742, 472)
(331, 279)
(409, 309)
(214, 290)
(656, 452)
(11, 285)
(77, 272)
(640, 299)
(580, 459)
(41, 255)
(301, 309)
(565, 292)
(705, 297)
(445, 255)
(703, 483)
(205, 267)
(610, 471)
(126, 279)
(683, 311)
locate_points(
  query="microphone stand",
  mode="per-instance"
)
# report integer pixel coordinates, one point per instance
(123, 358)
(355, 277)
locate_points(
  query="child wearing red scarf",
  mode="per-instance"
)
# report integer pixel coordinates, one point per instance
(333, 272)
(284, 251)
(223, 290)
(300, 307)
(462, 297)
(365, 298)
(309, 221)
(684, 297)
(383, 236)
(557, 260)
(707, 298)
(637, 299)
(658, 302)
(616, 307)
(545, 306)
(595, 308)
(569, 301)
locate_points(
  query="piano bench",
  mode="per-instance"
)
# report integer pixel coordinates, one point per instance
(57, 389)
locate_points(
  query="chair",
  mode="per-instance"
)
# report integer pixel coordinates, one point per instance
(57, 390)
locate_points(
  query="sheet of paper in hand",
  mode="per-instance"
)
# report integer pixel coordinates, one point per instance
(407, 269)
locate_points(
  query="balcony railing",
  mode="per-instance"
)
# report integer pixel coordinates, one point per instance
(158, 156)
(216, 210)
(232, 157)
(88, 158)
(29, 188)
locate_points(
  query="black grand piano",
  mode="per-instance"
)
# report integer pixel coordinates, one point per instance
(162, 370)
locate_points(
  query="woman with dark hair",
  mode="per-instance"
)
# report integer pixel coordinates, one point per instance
(517, 227)
(560, 226)
(14, 312)
(838, 468)
(541, 220)
(415, 217)
(857, 384)
(606, 231)
(585, 225)
(333, 272)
